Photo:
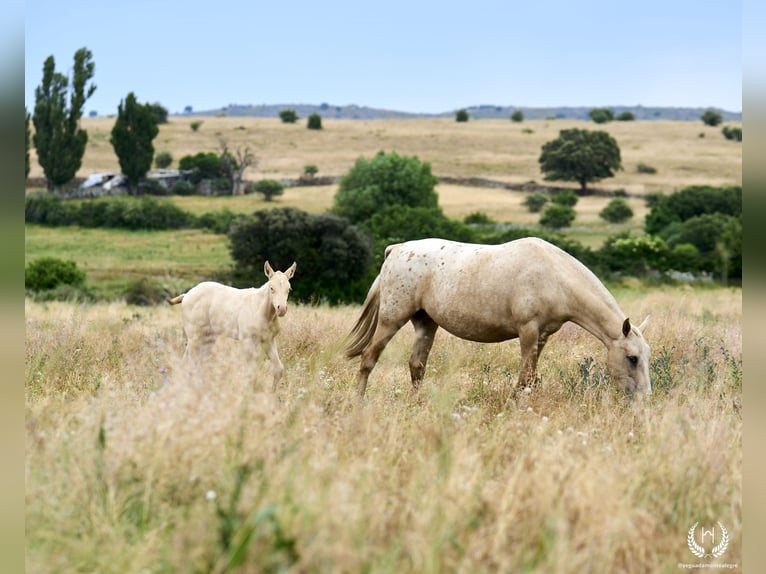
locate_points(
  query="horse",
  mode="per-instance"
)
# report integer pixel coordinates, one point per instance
(210, 310)
(525, 289)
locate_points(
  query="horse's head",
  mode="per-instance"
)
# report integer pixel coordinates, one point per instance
(628, 360)
(279, 287)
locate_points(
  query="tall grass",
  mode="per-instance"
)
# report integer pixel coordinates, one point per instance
(137, 464)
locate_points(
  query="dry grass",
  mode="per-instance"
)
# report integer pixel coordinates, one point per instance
(134, 464)
(496, 149)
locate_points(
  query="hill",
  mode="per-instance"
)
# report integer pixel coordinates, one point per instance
(484, 111)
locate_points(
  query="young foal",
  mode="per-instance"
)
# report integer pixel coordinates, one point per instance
(526, 288)
(210, 310)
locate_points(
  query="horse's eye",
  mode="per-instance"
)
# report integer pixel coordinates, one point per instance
(633, 360)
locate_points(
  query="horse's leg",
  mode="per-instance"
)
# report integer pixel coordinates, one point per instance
(425, 329)
(383, 334)
(531, 344)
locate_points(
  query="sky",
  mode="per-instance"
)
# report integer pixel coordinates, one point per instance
(404, 55)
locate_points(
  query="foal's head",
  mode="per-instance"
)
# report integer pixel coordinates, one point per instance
(279, 287)
(628, 360)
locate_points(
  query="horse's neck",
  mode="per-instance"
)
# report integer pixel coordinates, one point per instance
(597, 312)
(262, 302)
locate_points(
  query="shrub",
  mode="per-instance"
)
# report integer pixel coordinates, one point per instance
(732, 133)
(478, 218)
(385, 180)
(601, 115)
(288, 116)
(310, 170)
(711, 117)
(565, 197)
(152, 187)
(49, 209)
(461, 116)
(195, 125)
(534, 202)
(163, 159)
(333, 256)
(182, 187)
(217, 221)
(269, 188)
(314, 122)
(635, 255)
(644, 168)
(49, 272)
(517, 116)
(626, 117)
(144, 291)
(557, 216)
(203, 165)
(616, 211)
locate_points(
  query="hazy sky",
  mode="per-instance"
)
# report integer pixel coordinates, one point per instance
(403, 55)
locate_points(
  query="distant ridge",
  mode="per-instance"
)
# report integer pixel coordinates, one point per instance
(354, 112)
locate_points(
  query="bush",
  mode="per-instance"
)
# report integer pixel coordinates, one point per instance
(144, 292)
(616, 211)
(711, 117)
(310, 170)
(635, 255)
(478, 218)
(732, 133)
(535, 202)
(203, 165)
(691, 202)
(397, 223)
(557, 216)
(195, 125)
(217, 221)
(601, 115)
(565, 197)
(643, 168)
(182, 187)
(314, 122)
(333, 256)
(152, 187)
(385, 180)
(626, 117)
(163, 159)
(288, 116)
(517, 116)
(49, 209)
(49, 272)
(269, 188)
(461, 116)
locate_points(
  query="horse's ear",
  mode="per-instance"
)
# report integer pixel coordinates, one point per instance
(291, 270)
(626, 327)
(645, 324)
(268, 270)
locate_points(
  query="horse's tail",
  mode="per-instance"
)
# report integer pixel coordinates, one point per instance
(365, 326)
(175, 300)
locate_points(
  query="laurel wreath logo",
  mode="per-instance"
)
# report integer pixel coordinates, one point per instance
(717, 550)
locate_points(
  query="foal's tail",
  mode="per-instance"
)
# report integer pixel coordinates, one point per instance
(175, 300)
(365, 326)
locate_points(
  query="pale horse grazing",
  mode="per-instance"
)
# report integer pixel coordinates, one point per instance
(210, 310)
(526, 288)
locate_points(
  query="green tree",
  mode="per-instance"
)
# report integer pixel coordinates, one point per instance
(386, 179)
(288, 116)
(517, 116)
(601, 115)
(269, 188)
(50, 272)
(616, 211)
(557, 216)
(58, 138)
(203, 165)
(580, 155)
(711, 117)
(314, 122)
(635, 255)
(626, 117)
(163, 159)
(461, 116)
(565, 197)
(733, 133)
(333, 256)
(133, 132)
(160, 112)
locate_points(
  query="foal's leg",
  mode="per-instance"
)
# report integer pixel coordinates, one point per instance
(383, 334)
(425, 329)
(277, 368)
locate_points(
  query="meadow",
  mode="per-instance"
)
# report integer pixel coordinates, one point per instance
(136, 462)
